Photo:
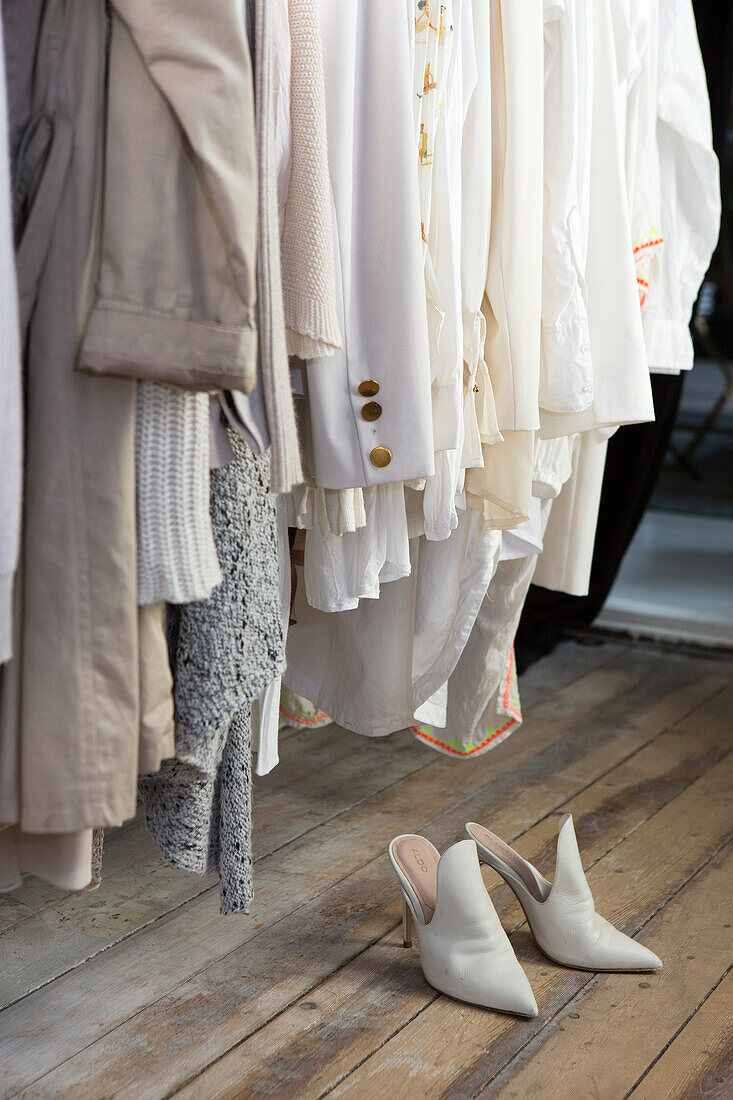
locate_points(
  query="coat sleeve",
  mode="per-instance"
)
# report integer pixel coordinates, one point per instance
(176, 300)
(690, 199)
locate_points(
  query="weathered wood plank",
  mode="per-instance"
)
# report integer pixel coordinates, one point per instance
(139, 886)
(630, 884)
(699, 1063)
(356, 1011)
(603, 1039)
(717, 711)
(107, 991)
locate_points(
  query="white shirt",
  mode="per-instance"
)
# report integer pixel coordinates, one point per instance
(443, 278)
(479, 409)
(621, 388)
(566, 372)
(514, 282)
(690, 196)
(642, 157)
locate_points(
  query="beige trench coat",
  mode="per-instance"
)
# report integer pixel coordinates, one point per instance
(176, 297)
(86, 700)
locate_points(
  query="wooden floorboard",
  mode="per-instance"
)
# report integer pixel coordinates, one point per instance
(630, 885)
(356, 1011)
(155, 961)
(142, 990)
(606, 1036)
(45, 932)
(698, 1061)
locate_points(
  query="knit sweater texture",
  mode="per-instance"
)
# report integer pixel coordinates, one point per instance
(176, 555)
(273, 352)
(309, 277)
(224, 651)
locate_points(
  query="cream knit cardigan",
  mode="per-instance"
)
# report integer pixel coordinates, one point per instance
(309, 279)
(286, 468)
(176, 555)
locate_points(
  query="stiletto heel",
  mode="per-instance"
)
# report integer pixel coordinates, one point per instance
(406, 929)
(562, 914)
(464, 951)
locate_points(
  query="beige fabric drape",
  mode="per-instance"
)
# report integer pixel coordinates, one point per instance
(73, 699)
(177, 293)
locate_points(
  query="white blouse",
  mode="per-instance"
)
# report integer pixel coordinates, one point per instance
(621, 388)
(566, 372)
(642, 156)
(479, 408)
(690, 197)
(514, 282)
(443, 274)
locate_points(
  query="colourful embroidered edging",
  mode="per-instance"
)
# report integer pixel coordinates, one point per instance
(643, 287)
(509, 701)
(648, 244)
(468, 752)
(301, 720)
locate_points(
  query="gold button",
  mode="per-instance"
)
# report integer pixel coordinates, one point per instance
(381, 456)
(371, 411)
(369, 388)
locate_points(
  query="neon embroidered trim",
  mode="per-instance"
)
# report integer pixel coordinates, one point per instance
(648, 244)
(467, 752)
(510, 702)
(643, 288)
(301, 719)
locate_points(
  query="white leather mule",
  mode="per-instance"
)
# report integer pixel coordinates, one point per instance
(562, 914)
(464, 951)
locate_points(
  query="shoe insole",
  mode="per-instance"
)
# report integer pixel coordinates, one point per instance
(419, 864)
(524, 870)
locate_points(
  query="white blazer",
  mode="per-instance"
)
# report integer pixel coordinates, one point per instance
(370, 403)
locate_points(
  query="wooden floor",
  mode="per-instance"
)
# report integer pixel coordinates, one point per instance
(142, 990)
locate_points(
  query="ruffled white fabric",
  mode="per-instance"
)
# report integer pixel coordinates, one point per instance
(409, 640)
(357, 540)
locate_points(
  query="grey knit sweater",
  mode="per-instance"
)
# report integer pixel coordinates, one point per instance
(224, 651)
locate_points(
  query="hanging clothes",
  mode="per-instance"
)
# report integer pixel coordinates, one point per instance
(480, 424)
(642, 153)
(176, 555)
(370, 670)
(566, 371)
(176, 296)
(450, 65)
(621, 388)
(480, 224)
(11, 419)
(87, 693)
(378, 258)
(690, 197)
(514, 281)
(224, 651)
(511, 306)
(274, 373)
(309, 275)
(478, 706)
